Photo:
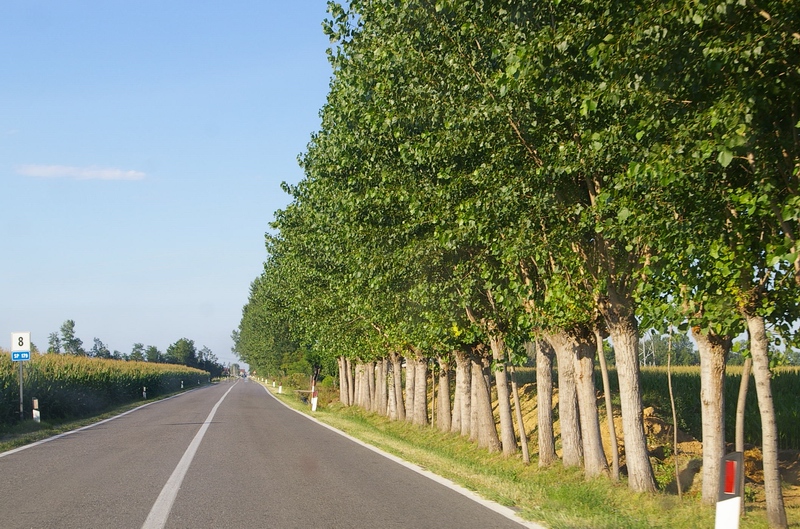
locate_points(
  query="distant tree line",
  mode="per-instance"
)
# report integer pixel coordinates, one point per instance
(182, 352)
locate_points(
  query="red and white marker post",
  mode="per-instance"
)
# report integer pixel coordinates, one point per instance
(729, 502)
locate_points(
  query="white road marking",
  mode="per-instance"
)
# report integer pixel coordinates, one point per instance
(159, 514)
(59, 436)
(494, 506)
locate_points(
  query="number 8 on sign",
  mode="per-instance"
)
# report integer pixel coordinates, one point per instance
(20, 342)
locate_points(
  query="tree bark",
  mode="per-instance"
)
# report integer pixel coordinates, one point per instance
(411, 381)
(443, 416)
(776, 510)
(397, 383)
(369, 372)
(509, 440)
(744, 385)
(484, 425)
(571, 444)
(675, 422)
(421, 392)
(713, 354)
(344, 391)
(357, 383)
(455, 414)
(612, 430)
(391, 405)
(523, 435)
(351, 389)
(594, 457)
(475, 372)
(462, 409)
(741, 402)
(381, 396)
(544, 403)
(621, 322)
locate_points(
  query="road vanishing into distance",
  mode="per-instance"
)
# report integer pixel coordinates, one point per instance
(223, 456)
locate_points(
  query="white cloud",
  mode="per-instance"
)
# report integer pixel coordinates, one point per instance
(79, 173)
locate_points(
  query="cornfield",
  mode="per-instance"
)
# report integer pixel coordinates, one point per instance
(72, 386)
(686, 388)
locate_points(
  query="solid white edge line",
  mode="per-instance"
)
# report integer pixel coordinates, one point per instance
(59, 436)
(159, 513)
(494, 506)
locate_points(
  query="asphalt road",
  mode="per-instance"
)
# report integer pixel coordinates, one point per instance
(225, 456)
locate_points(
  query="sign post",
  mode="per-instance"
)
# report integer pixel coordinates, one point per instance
(20, 351)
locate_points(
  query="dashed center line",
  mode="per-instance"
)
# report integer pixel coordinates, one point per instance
(157, 519)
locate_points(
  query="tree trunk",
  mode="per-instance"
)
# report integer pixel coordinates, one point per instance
(369, 372)
(351, 387)
(380, 386)
(612, 430)
(444, 419)
(776, 511)
(433, 396)
(366, 399)
(411, 381)
(462, 411)
(475, 372)
(624, 330)
(357, 380)
(594, 457)
(344, 392)
(741, 402)
(523, 435)
(509, 440)
(744, 385)
(391, 406)
(362, 389)
(455, 414)
(675, 421)
(713, 353)
(571, 444)
(544, 403)
(421, 392)
(397, 386)
(484, 425)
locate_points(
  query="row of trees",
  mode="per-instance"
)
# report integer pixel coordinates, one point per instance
(181, 352)
(490, 174)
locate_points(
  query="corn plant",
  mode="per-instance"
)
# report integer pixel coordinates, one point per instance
(71, 386)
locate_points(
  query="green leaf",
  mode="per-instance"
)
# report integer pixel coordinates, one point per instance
(725, 157)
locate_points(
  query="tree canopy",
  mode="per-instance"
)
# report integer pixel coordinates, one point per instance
(488, 167)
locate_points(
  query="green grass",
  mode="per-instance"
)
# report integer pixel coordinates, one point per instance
(556, 497)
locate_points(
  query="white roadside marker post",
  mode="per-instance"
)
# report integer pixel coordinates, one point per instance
(729, 502)
(313, 397)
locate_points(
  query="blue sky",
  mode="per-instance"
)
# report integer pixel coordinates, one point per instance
(142, 147)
